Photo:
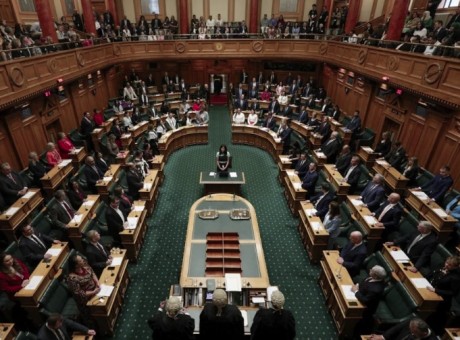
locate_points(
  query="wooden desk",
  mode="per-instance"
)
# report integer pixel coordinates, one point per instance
(336, 179)
(174, 95)
(284, 162)
(56, 176)
(393, 178)
(427, 301)
(96, 137)
(367, 155)
(345, 134)
(133, 238)
(320, 158)
(107, 125)
(81, 218)
(122, 157)
(159, 97)
(364, 216)
(293, 191)
(138, 129)
(213, 183)
(149, 192)
(126, 141)
(18, 212)
(314, 236)
(30, 295)
(110, 177)
(315, 140)
(432, 212)
(334, 281)
(181, 137)
(7, 331)
(77, 156)
(451, 334)
(302, 129)
(105, 310)
(262, 138)
(79, 336)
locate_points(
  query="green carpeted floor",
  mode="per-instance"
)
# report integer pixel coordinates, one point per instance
(160, 261)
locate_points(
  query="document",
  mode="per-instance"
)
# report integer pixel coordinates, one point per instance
(233, 282)
(132, 222)
(148, 186)
(316, 226)
(297, 185)
(420, 194)
(357, 202)
(116, 261)
(349, 295)
(233, 175)
(88, 204)
(77, 218)
(54, 251)
(420, 282)
(139, 208)
(310, 212)
(440, 212)
(244, 313)
(371, 220)
(11, 211)
(28, 194)
(258, 299)
(212, 173)
(107, 179)
(320, 154)
(383, 163)
(64, 163)
(34, 281)
(367, 149)
(399, 256)
(105, 291)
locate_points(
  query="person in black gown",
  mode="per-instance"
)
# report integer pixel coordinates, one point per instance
(223, 160)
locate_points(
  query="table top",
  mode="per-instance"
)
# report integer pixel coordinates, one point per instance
(212, 177)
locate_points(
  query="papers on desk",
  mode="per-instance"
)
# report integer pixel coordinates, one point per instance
(349, 295)
(421, 195)
(212, 174)
(357, 202)
(278, 140)
(316, 226)
(54, 251)
(88, 204)
(297, 185)
(399, 256)
(132, 222)
(382, 162)
(440, 212)
(270, 290)
(97, 130)
(371, 220)
(368, 149)
(64, 163)
(320, 154)
(11, 211)
(139, 208)
(233, 175)
(290, 172)
(258, 299)
(311, 212)
(420, 282)
(126, 135)
(77, 218)
(148, 186)
(233, 282)
(116, 261)
(244, 313)
(34, 281)
(107, 179)
(28, 194)
(105, 291)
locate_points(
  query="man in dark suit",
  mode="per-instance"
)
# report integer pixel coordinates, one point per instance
(326, 106)
(287, 111)
(241, 103)
(311, 102)
(58, 328)
(244, 77)
(303, 116)
(269, 122)
(116, 220)
(353, 254)
(274, 106)
(343, 159)
(354, 126)
(374, 193)
(352, 174)
(34, 246)
(61, 213)
(396, 156)
(11, 184)
(331, 147)
(369, 293)
(97, 255)
(156, 24)
(335, 114)
(315, 121)
(254, 105)
(254, 90)
(437, 187)
(324, 129)
(322, 200)
(86, 127)
(92, 173)
(239, 91)
(309, 180)
(419, 245)
(301, 167)
(284, 132)
(389, 215)
(134, 180)
(410, 330)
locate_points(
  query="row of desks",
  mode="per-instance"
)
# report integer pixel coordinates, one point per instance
(262, 138)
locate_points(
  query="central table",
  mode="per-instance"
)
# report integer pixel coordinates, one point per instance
(213, 183)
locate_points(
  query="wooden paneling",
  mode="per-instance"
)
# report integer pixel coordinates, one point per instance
(7, 151)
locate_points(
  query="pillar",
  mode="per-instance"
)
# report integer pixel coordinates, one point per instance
(398, 17)
(353, 15)
(183, 17)
(329, 5)
(90, 25)
(45, 17)
(254, 17)
(112, 7)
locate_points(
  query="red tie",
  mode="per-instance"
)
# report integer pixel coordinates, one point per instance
(68, 209)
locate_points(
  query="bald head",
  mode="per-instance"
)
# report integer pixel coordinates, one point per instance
(394, 198)
(356, 237)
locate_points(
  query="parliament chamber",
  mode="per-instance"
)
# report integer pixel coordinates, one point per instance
(107, 151)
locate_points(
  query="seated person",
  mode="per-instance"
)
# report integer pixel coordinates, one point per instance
(11, 184)
(126, 204)
(252, 118)
(238, 117)
(412, 329)
(14, 275)
(396, 156)
(269, 122)
(310, 179)
(98, 256)
(437, 187)
(56, 324)
(353, 254)
(418, 246)
(322, 200)
(222, 159)
(34, 245)
(374, 193)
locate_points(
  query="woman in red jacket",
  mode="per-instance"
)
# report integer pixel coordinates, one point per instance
(65, 145)
(14, 274)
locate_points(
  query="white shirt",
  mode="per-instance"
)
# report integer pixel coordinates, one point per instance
(239, 118)
(252, 119)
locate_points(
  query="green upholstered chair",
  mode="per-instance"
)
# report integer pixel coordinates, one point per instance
(371, 261)
(42, 223)
(424, 177)
(437, 260)
(58, 299)
(365, 138)
(25, 336)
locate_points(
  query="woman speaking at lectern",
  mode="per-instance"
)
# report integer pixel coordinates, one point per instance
(223, 160)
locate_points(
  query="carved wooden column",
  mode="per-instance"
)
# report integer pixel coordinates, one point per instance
(183, 17)
(90, 25)
(254, 16)
(353, 14)
(398, 17)
(45, 17)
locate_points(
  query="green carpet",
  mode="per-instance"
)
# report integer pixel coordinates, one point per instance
(160, 261)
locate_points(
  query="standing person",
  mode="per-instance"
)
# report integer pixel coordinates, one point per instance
(65, 145)
(332, 222)
(11, 184)
(219, 320)
(171, 323)
(223, 159)
(56, 327)
(53, 157)
(275, 323)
